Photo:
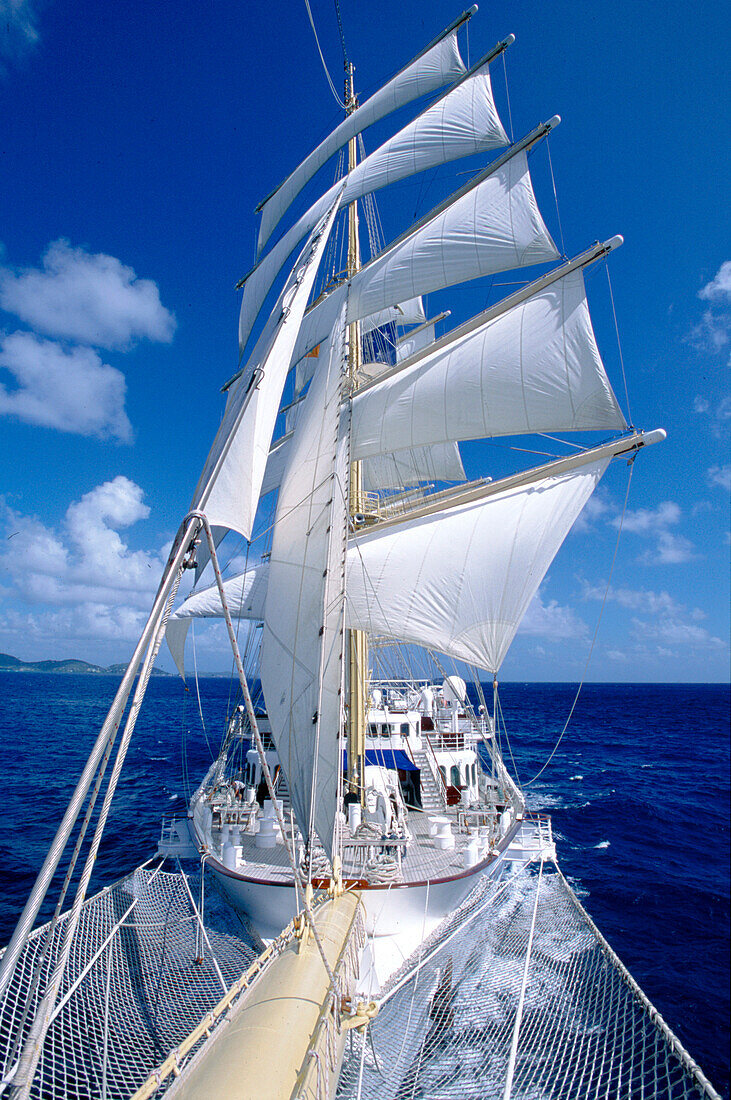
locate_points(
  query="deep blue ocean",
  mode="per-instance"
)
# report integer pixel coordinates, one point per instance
(638, 792)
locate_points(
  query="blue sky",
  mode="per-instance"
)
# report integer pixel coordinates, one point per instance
(136, 140)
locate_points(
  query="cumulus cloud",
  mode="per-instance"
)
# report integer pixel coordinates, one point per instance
(88, 298)
(661, 619)
(18, 31)
(655, 523)
(552, 620)
(720, 476)
(595, 509)
(714, 329)
(73, 391)
(719, 287)
(670, 550)
(85, 562)
(718, 415)
(647, 520)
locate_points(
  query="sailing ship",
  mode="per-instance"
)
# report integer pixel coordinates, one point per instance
(359, 814)
(378, 543)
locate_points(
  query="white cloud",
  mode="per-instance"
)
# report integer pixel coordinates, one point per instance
(714, 330)
(717, 416)
(89, 298)
(677, 632)
(670, 550)
(595, 507)
(719, 286)
(85, 563)
(73, 391)
(648, 520)
(18, 31)
(551, 620)
(79, 589)
(720, 476)
(654, 523)
(666, 622)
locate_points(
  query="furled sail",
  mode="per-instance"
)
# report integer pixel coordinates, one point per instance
(302, 642)
(437, 65)
(494, 226)
(534, 368)
(463, 122)
(229, 487)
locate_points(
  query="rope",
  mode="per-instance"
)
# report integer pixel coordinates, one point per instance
(198, 695)
(262, 754)
(33, 1048)
(338, 100)
(619, 345)
(555, 196)
(521, 999)
(596, 631)
(507, 94)
(340, 29)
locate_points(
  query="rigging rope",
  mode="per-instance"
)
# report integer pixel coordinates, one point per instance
(338, 100)
(596, 629)
(555, 197)
(619, 345)
(342, 36)
(507, 94)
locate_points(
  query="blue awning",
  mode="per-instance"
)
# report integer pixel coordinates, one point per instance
(395, 759)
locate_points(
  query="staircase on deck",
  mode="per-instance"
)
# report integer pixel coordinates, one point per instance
(433, 799)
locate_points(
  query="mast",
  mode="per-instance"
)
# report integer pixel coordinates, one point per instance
(357, 640)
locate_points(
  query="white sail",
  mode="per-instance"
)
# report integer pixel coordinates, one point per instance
(535, 368)
(460, 581)
(302, 642)
(415, 341)
(245, 595)
(463, 122)
(405, 313)
(229, 487)
(402, 469)
(436, 66)
(495, 226)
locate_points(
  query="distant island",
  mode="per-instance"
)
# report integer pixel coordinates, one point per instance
(82, 668)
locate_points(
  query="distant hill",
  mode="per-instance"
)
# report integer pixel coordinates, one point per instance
(9, 663)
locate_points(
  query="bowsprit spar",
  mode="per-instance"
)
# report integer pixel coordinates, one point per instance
(359, 814)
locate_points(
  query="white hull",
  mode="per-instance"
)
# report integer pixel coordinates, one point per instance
(398, 917)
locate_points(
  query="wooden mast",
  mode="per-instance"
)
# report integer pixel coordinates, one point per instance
(357, 640)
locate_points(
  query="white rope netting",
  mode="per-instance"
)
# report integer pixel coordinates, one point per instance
(140, 977)
(447, 1020)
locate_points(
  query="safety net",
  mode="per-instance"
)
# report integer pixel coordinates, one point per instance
(517, 996)
(144, 970)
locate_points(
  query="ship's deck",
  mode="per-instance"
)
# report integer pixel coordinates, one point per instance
(416, 860)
